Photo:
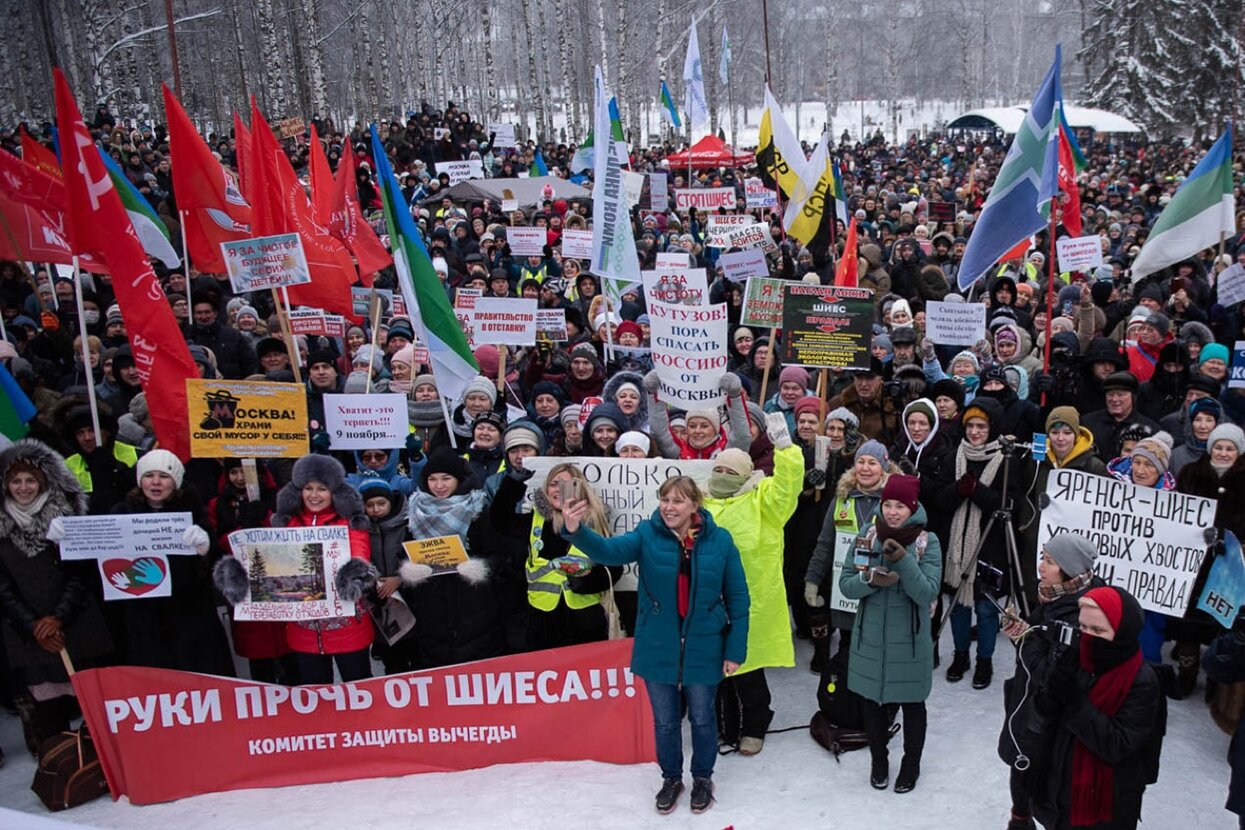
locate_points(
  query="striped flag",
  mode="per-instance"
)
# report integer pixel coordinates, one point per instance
(779, 155)
(16, 409)
(668, 110)
(538, 168)
(151, 230)
(452, 361)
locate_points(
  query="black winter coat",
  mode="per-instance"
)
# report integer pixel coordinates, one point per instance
(1224, 662)
(235, 353)
(935, 466)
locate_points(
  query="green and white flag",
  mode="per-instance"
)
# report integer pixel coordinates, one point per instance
(668, 109)
(613, 243)
(153, 234)
(1202, 209)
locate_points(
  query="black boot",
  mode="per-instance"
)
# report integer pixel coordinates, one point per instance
(880, 774)
(958, 668)
(702, 794)
(819, 630)
(909, 772)
(668, 795)
(1020, 823)
(984, 673)
(1187, 656)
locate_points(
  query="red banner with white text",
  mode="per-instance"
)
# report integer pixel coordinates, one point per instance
(164, 735)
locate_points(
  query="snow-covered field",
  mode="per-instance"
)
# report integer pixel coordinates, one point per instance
(792, 784)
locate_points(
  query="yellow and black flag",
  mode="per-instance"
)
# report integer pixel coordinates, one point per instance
(779, 155)
(808, 220)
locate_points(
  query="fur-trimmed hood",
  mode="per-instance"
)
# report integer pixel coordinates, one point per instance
(347, 502)
(638, 421)
(65, 498)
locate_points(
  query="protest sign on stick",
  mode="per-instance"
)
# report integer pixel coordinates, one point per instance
(955, 324)
(827, 326)
(689, 352)
(706, 198)
(505, 321)
(240, 418)
(360, 422)
(1079, 253)
(527, 241)
(265, 262)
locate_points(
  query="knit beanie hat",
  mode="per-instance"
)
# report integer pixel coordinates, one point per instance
(742, 331)
(1073, 553)
(569, 413)
(160, 461)
(793, 374)
(635, 439)
(1108, 600)
(481, 384)
(1160, 322)
(757, 415)
(808, 403)
(736, 460)
(446, 461)
(371, 485)
(489, 416)
(1227, 432)
(1157, 449)
(318, 356)
(876, 449)
(1064, 415)
(244, 311)
(1213, 351)
(710, 414)
(524, 433)
(424, 380)
(845, 415)
(406, 355)
(903, 489)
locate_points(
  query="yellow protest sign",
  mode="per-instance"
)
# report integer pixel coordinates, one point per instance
(441, 553)
(241, 418)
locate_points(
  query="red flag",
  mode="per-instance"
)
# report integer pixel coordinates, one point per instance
(39, 156)
(322, 184)
(97, 221)
(242, 152)
(212, 208)
(33, 204)
(281, 206)
(1018, 250)
(845, 273)
(356, 232)
(1070, 210)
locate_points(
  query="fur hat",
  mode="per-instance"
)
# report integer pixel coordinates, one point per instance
(1157, 449)
(347, 502)
(1073, 553)
(160, 461)
(1120, 380)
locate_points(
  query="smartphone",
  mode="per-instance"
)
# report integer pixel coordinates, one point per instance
(570, 491)
(863, 556)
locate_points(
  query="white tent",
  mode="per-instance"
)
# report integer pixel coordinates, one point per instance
(1008, 119)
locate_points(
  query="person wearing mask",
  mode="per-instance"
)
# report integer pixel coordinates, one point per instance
(892, 656)
(753, 508)
(1105, 717)
(692, 627)
(1065, 573)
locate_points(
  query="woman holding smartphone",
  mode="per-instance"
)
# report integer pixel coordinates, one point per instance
(692, 626)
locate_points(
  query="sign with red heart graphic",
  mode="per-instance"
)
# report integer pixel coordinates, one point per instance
(143, 577)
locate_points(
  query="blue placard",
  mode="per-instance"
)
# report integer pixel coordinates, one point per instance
(1224, 593)
(1236, 372)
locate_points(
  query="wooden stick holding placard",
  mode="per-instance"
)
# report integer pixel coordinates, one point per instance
(501, 371)
(283, 318)
(769, 358)
(251, 473)
(823, 388)
(375, 315)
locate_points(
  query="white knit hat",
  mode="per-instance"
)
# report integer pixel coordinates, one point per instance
(160, 461)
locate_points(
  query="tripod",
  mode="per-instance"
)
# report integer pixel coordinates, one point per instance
(1002, 515)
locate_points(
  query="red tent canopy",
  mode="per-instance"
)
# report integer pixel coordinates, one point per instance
(711, 152)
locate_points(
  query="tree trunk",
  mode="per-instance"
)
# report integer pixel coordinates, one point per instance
(542, 117)
(274, 93)
(490, 71)
(313, 55)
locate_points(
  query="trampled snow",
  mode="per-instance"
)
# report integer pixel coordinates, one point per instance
(792, 784)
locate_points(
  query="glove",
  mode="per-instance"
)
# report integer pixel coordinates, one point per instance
(320, 443)
(812, 595)
(893, 551)
(1043, 382)
(652, 381)
(879, 578)
(815, 477)
(50, 321)
(414, 447)
(982, 349)
(1063, 685)
(56, 530)
(729, 384)
(927, 350)
(967, 485)
(197, 538)
(776, 428)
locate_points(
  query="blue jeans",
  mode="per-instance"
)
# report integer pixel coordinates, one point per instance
(667, 705)
(987, 627)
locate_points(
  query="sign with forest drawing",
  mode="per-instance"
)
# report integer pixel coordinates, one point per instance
(290, 572)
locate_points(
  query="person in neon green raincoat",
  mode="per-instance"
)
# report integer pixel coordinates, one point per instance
(755, 508)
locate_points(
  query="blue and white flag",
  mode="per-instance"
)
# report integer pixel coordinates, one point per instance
(697, 105)
(1019, 201)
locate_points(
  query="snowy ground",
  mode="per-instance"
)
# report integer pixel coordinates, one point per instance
(793, 784)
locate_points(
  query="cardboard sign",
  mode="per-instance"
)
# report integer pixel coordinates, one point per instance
(361, 422)
(503, 135)
(827, 327)
(685, 287)
(218, 733)
(464, 310)
(719, 225)
(461, 171)
(576, 244)
(762, 302)
(844, 553)
(505, 321)
(955, 324)
(125, 535)
(1230, 285)
(942, 211)
(265, 262)
(527, 241)
(752, 236)
(441, 553)
(1150, 542)
(1236, 372)
(672, 259)
(705, 198)
(361, 298)
(290, 127)
(757, 195)
(1079, 253)
(633, 187)
(689, 352)
(738, 266)
(315, 322)
(551, 325)
(242, 418)
(509, 205)
(659, 192)
(291, 572)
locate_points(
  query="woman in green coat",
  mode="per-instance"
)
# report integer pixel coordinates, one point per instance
(892, 657)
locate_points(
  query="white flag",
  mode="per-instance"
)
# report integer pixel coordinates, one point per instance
(694, 83)
(724, 63)
(613, 243)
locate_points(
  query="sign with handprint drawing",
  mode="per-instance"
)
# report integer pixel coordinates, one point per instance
(143, 577)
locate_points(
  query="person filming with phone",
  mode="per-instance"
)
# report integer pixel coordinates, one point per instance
(691, 628)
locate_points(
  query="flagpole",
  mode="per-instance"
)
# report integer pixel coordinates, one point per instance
(1050, 291)
(367, 389)
(283, 320)
(86, 352)
(765, 25)
(186, 261)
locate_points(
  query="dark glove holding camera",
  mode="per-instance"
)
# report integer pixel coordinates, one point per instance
(1063, 685)
(893, 551)
(967, 485)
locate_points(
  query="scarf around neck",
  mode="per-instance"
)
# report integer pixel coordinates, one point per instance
(966, 523)
(451, 516)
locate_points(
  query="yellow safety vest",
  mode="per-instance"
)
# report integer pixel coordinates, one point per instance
(546, 582)
(76, 463)
(526, 273)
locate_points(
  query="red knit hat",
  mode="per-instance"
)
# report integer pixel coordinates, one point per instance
(1108, 600)
(808, 403)
(629, 327)
(903, 489)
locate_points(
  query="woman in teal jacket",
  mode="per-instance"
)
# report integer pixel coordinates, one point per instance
(691, 628)
(892, 657)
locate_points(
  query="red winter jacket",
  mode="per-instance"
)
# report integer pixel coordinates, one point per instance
(335, 635)
(1142, 358)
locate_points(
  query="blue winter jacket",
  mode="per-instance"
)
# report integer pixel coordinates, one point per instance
(716, 626)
